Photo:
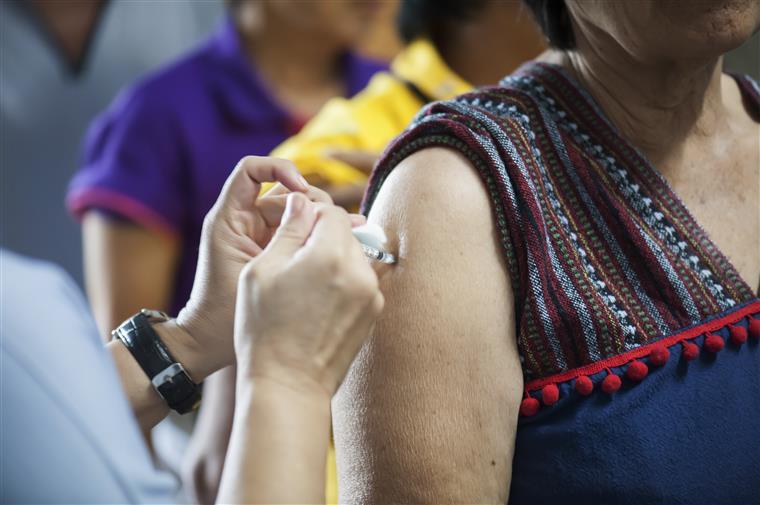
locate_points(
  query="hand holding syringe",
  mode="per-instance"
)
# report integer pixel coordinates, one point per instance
(371, 236)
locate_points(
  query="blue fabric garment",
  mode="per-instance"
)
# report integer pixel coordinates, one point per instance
(689, 433)
(68, 433)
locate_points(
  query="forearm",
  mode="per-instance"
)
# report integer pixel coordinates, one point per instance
(147, 405)
(278, 446)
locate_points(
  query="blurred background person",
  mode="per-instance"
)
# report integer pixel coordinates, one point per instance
(337, 148)
(62, 62)
(155, 160)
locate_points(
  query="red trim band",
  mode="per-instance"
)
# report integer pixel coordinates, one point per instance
(645, 350)
(84, 199)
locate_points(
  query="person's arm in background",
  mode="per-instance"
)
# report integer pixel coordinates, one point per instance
(349, 196)
(127, 267)
(334, 129)
(131, 205)
(428, 411)
(203, 462)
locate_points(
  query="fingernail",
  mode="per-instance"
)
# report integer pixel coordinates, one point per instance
(303, 181)
(357, 219)
(293, 206)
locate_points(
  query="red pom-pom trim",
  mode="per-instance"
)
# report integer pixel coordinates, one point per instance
(637, 370)
(611, 384)
(584, 385)
(550, 394)
(654, 354)
(529, 407)
(659, 355)
(714, 343)
(690, 351)
(754, 327)
(738, 335)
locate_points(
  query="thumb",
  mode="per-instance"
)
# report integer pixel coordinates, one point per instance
(296, 226)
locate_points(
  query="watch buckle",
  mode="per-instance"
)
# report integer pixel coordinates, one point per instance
(167, 375)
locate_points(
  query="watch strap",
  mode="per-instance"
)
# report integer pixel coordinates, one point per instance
(168, 376)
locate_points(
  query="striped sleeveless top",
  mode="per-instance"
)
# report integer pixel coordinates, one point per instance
(622, 301)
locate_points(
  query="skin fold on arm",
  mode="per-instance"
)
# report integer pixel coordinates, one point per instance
(429, 409)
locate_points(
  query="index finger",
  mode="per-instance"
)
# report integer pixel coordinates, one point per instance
(313, 193)
(242, 187)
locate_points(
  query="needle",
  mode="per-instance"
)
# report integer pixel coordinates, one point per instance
(378, 254)
(372, 239)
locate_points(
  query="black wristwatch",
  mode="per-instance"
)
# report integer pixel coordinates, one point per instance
(169, 378)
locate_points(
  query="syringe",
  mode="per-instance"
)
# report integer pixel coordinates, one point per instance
(373, 240)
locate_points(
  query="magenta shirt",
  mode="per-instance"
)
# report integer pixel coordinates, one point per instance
(160, 153)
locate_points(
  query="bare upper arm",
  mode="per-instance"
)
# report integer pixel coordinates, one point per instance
(127, 267)
(429, 409)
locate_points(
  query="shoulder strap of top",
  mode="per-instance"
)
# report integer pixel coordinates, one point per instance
(750, 93)
(414, 89)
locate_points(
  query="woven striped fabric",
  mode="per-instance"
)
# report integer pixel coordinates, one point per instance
(603, 257)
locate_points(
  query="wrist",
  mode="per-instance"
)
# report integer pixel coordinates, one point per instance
(185, 349)
(291, 428)
(209, 335)
(262, 389)
(288, 381)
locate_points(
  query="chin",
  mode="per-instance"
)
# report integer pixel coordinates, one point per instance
(708, 28)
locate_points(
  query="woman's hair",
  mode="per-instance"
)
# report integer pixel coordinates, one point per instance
(428, 18)
(553, 18)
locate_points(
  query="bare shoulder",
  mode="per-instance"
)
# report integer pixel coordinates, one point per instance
(441, 374)
(433, 197)
(436, 176)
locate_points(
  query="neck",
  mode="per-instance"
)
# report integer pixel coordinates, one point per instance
(485, 49)
(71, 24)
(287, 60)
(658, 106)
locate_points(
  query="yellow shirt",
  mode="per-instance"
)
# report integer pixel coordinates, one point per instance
(372, 118)
(368, 122)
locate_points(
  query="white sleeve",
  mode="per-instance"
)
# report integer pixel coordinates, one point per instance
(68, 433)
